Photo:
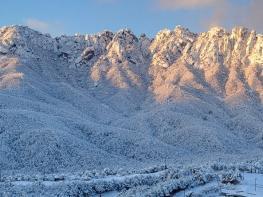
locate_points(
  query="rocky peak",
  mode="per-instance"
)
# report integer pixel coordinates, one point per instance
(240, 32)
(218, 61)
(124, 62)
(25, 42)
(168, 46)
(126, 36)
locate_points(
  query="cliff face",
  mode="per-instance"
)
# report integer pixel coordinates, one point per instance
(226, 64)
(178, 93)
(222, 63)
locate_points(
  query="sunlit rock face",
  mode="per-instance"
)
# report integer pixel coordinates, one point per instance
(220, 62)
(127, 100)
(216, 61)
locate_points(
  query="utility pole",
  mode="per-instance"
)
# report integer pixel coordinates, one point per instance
(255, 184)
(165, 163)
(1, 150)
(2, 133)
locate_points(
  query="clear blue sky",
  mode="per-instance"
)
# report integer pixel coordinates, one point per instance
(142, 16)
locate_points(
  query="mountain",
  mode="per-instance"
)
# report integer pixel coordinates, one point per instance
(118, 100)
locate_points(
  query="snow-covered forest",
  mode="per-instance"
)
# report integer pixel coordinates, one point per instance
(74, 110)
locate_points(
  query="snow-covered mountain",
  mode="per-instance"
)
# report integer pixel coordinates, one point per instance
(118, 100)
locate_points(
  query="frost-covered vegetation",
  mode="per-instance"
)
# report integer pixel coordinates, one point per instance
(156, 181)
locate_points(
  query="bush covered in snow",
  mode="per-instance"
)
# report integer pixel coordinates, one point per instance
(232, 177)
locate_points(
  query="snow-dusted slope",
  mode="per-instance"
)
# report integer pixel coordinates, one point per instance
(115, 99)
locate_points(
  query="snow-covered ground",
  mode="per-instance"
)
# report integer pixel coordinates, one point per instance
(252, 185)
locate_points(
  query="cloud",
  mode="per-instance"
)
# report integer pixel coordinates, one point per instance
(37, 25)
(106, 1)
(185, 4)
(45, 27)
(252, 15)
(226, 13)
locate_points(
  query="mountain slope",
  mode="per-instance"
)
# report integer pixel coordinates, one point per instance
(115, 99)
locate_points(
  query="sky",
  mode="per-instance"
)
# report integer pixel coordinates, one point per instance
(141, 16)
